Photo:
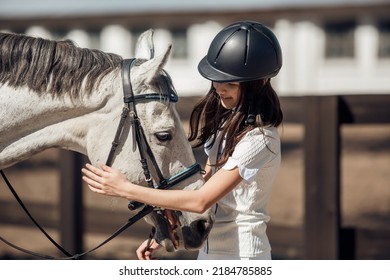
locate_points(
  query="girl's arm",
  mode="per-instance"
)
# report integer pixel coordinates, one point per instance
(110, 181)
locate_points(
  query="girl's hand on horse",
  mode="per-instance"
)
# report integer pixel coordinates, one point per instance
(106, 180)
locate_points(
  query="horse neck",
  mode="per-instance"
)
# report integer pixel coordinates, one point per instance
(34, 122)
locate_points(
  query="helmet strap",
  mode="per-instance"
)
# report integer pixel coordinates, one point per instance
(251, 118)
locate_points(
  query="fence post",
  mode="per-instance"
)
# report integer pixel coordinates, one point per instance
(71, 202)
(322, 177)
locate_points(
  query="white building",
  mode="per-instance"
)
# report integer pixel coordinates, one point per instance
(329, 46)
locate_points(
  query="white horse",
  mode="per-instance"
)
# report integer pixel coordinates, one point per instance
(54, 94)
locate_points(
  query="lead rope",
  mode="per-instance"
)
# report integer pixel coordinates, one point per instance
(150, 238)
(31, 217)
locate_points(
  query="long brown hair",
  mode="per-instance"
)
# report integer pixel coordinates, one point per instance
(258, 98)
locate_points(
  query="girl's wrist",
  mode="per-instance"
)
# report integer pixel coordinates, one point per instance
(130, 191)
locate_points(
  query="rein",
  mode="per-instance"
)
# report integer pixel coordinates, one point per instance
(140, 142)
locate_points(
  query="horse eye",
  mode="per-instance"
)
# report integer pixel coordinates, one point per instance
(163, 136)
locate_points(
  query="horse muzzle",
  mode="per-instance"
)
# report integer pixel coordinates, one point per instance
(189, 234)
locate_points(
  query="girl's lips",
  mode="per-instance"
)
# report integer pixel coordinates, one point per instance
(225, 97)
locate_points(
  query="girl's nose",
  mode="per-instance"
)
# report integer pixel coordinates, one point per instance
(218, 86)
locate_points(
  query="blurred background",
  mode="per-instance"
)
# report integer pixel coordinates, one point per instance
(334, 86)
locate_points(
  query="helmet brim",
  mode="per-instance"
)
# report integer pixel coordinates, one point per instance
(215, 75)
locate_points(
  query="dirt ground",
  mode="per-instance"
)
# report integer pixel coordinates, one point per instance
(365, 201)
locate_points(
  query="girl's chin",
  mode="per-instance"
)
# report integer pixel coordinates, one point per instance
(227, 105)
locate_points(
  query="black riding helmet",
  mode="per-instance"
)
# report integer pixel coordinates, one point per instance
(242, 51)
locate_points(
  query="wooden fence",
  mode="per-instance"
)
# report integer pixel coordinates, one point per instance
(322, 117)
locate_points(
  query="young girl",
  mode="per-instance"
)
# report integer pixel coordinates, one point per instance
(237, 124)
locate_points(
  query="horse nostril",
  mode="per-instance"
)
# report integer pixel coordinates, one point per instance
(196, 233)
(203, 227)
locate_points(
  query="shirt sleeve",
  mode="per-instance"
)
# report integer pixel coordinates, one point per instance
(250, 155)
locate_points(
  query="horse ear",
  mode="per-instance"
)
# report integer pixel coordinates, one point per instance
(145, 46)
(149, 69)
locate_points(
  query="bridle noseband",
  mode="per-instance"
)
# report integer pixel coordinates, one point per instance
(139, 140)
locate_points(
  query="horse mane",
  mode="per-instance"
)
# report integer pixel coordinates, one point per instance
(57, 67)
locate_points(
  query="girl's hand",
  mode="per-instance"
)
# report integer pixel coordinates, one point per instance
(145, 251)
(107, 180)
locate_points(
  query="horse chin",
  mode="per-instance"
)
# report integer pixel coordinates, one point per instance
(163, 235)
(168, 245)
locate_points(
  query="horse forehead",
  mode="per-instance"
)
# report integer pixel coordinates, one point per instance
(160, 114)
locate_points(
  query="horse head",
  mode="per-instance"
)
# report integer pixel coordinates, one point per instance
(171, 149)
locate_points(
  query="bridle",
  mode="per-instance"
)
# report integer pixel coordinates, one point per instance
(140, 142)
(138, 135)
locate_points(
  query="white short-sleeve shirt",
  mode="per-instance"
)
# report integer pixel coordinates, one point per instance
(241, 216)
